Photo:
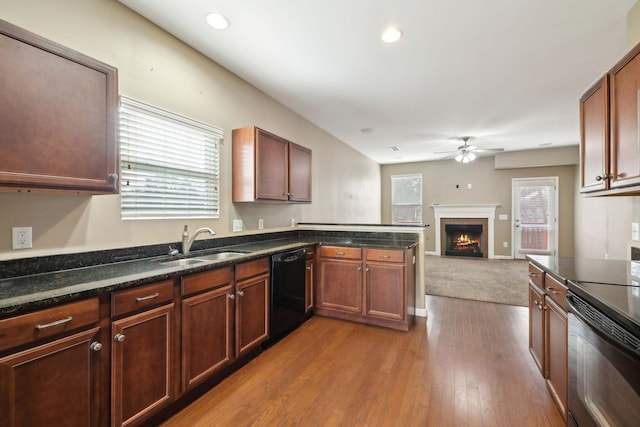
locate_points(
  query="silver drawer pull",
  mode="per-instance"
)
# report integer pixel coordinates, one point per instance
(152, 296)
(553, 290)
(340, 253)
(56, 323)
(533, 274)
(385, 256)
(240, 293)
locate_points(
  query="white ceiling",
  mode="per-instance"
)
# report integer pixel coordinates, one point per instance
(509, 73)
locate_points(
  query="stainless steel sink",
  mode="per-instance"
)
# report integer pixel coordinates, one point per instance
(202, 258)
(183, 262)
(221, 255)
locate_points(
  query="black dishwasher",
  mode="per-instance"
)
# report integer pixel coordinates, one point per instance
(287, 293)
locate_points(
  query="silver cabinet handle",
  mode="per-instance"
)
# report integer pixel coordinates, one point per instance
(359, 268)
(533, 274)
(231, 296)
(603, 177)
(148, 297)
(56, 323)
(119, 337)
(385, 256)
(240, 293)
(340, 253)
(552, 290)
(367, 269)
(113, 177)
(95, 346)
(308, 268)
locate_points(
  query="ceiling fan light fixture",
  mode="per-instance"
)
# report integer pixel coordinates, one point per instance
(465, 157)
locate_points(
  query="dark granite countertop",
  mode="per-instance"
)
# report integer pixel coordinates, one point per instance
(28, 292)
(612, 286)
(587, 270)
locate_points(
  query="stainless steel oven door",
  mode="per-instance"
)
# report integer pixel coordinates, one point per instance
(604, 375)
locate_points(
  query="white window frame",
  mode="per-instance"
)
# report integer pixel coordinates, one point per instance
(418, 218)
(169, 164)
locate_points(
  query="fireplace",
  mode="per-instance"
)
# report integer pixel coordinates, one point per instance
(463, 240)
(465, 214)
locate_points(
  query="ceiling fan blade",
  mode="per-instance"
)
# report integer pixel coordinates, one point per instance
(489, 150)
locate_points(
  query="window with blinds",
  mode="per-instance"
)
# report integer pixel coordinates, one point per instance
(169, 164)
(406, 199)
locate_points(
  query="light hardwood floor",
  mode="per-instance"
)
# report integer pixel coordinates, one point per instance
(468, 365)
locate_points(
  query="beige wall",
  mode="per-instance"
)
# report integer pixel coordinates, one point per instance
(446, 181)
(159, 69)
(603, 224)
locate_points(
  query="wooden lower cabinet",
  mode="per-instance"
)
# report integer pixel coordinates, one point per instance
(309, 282)
(207, 324)
(375, 286)
(51, 384)
(252, 305)
(548, 333)
(340, 287)
(207, 334)
(556, 354)
(536, 325)
(142, 350)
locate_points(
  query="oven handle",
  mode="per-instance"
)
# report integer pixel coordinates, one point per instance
(611, 339)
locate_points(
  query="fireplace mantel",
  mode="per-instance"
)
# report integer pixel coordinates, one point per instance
(485, 210)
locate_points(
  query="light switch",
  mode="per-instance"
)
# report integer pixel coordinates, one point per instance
(503, 217)
(635, 231)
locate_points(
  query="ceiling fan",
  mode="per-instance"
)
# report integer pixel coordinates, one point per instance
(467, 153)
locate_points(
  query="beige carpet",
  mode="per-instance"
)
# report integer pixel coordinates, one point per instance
(480, 279)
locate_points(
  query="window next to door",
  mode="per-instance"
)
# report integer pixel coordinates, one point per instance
(406, 199)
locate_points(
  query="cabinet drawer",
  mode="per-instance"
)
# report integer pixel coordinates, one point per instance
(252, 268)
(388, 255)
(207, 280)
(340, 252)
(45, 323)
(536, 275)
(311, 252)
(556, 290)
(138, 298)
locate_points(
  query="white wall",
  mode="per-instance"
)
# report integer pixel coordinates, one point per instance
(157, 68)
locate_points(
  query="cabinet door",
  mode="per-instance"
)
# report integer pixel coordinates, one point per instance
(58, 112)
(272, 174)
(594, 141)
(50, 385)
(299, 173)
(385, 290)
(536, 325)
(141, 364)
(340, 286)
(309, 285)
(252, 311)
(625, 142)
(207, 334)
(556, 354)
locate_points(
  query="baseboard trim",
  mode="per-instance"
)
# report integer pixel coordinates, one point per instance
(502, 257)
(422, 312)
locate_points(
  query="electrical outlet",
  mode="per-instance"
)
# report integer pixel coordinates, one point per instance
(505, 244)
(22, 237)
(260, 224)
(237, 225)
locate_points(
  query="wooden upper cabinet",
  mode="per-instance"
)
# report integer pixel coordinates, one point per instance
(625, 142)
(594, 137)
(267, 167)
(610, 136)
(299, 173)
(59, 117)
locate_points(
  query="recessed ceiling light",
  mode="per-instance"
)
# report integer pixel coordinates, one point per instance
(391, 35)
(366, 130)
(394, 148)
(217, 21)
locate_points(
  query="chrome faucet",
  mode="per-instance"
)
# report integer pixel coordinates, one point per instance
(187, 242)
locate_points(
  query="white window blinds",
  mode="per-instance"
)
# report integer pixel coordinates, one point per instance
(169, 164)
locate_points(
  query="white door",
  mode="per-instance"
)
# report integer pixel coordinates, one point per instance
(535, 216)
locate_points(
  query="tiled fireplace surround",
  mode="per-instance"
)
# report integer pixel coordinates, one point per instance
(465, 214)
